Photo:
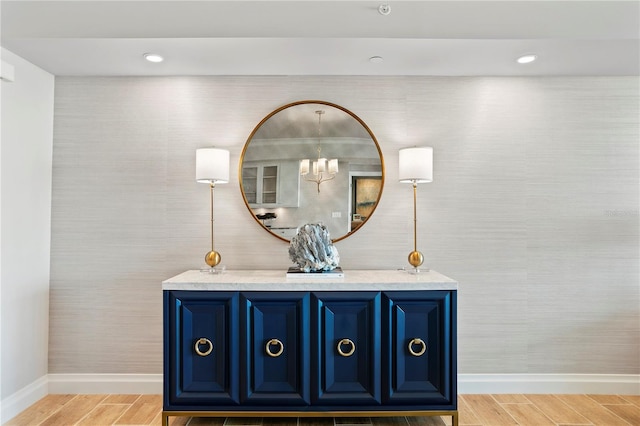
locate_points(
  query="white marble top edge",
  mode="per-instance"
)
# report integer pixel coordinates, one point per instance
(270, 280)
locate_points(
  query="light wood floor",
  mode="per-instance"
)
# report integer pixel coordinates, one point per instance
(476, 410)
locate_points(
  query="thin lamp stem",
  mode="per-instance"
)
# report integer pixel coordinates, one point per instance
(213, 184)
(415, 221)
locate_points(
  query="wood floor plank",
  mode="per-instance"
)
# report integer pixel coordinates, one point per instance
(608, 399)
(173, 421)
(237, 421)
(629, 412)
(575, 424)
(142, 412)
(315, 421)
(447, 420)
(634, 399)
(74, 410)
(121, 399)
(510, 398)
(424, 421)
(180, 421)
(40, 410)
(207, 421)
(103, 415)
(528, 415)
(594, 412)
(466, 416)
(489, 411)
(558, 411)
(352, 421)
(474, 410)
(284, 421)
(392, 421)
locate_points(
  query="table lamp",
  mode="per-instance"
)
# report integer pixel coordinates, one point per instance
(212, 166)
(415, 165)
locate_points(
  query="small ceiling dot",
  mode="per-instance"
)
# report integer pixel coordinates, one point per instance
(376, 59)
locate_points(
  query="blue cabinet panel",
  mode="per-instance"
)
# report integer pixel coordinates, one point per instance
(346, 348)
(275, 348)
(420, 351)
(203, 348)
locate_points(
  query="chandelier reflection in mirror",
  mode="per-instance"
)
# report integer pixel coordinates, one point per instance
(322, 169)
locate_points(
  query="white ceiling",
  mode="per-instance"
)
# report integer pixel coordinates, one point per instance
(457, 38)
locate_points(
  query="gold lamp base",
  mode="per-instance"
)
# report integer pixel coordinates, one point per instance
(416, 258)
(212, 258)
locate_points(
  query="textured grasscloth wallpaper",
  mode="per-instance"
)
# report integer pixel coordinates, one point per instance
(533, 209)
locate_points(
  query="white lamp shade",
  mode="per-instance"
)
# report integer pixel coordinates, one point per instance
(304, 167)
(415, 165)
(333, 166)
(212, 165)
(322, 165)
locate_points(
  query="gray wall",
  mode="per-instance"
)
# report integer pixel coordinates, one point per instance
(533, 209)
(25, 199)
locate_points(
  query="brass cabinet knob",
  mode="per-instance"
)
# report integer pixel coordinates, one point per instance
(277, 342)
(346, 342)
(201, 342)
(417, 341)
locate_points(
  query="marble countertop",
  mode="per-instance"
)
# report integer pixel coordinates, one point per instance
(270, 280)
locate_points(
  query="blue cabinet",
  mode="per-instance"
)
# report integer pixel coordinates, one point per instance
(346, 348)
(419, 348)
(201, 348)
(310, 353)
(275, 348)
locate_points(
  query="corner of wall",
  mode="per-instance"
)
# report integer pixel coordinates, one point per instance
(26, 139)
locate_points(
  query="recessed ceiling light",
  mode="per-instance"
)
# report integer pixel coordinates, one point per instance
(526, 59)
(376, 59)
(153, 57)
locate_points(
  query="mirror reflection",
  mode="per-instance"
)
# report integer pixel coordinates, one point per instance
(311, 162)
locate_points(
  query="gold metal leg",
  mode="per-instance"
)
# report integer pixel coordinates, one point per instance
(167, 414)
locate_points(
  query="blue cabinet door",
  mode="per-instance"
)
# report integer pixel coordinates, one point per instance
(346, 348)
(201, 347)
(420, 353)
(275, 348)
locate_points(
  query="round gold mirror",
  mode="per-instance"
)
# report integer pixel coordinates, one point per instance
(311, 162)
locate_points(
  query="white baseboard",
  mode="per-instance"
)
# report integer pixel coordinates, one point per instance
(105, 383)
(608, 384)
(22, 399)
(612, 384)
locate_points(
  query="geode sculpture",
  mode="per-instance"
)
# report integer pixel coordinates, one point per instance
(312, 250)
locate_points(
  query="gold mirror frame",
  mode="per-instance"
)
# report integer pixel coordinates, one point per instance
(328, 105)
